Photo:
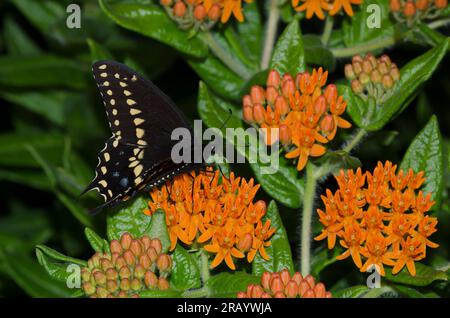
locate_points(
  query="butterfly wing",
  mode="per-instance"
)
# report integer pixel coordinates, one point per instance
(142, 119)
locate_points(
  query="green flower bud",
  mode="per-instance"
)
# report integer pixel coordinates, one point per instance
(124, 272)
(349, 72)
(364, 78)
(100, 278)
(111, 273)
(375, 76)
(112, 286)
(164, 263)
(136, 284)
(388, 82)
(125, 284)
(101, 292)
(150, 280)
(88, 288)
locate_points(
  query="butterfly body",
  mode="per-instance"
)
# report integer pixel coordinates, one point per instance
(142, 118)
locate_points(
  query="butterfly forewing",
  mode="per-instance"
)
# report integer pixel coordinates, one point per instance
(142, 119)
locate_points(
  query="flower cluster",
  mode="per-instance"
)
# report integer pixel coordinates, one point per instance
(221, 216)
(301, 112)
(317, 7)
(381, 216)
(412, 11)
(283, 285)
(372, 76)
(202, 14)
(131, 266)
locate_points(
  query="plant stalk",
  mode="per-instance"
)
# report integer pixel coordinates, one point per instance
(233, 64)
(327, 30)
(308, 206)
(196, 293)
(271, 32)
(204, 266)
(356, 139)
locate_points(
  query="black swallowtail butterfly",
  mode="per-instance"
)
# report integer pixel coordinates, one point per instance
(141, 118)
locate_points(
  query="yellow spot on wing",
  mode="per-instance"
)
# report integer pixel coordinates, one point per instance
(130, 102)
(102, 67)
(135, 111)
(138, 121)
(103, 183)
(140, 133)
(107, 157)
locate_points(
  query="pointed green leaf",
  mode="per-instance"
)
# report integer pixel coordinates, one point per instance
(185, 272)
(425, 275)
(425, 153)
(97, 243)
(288, 55)
(158, 229)
(351, 292)
(227, 285)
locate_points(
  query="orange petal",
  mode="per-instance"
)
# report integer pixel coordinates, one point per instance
(317, 150)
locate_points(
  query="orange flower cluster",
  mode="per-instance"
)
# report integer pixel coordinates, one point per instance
(202, 14)
(283, 285)
(317, 7)
(412, 11)
(221, 216)
(301, 113)
(381, 216)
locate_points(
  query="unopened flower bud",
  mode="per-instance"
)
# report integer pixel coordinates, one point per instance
(146, 241)
(387, 82)
(257, 94)
(199, 12)
(111, 273)
(163, 284)
(100, 278)
(120, 262)
(297, 278)
(247, 114)
(214, 12)
(247, 100)
(157, 245)
(129, 257)
(276, 285)
(150, 280)
(309, 294)
(288, 87)
(409, 9)
(395, 5)
(273, 78)
(85, 274)
(373, 61)
(258, 113)
(327, 124)
(281, 105)
(115, 247)
(88, 288)
(422, 5)
(164, 263)
(357, 59)
(291, 289)
(241, 295)
(395, 74)
(245, 243)
(367, 66)
(357, 68)
(152, 254)
(383, 68)
(139, 271)
(257, 291)
(125, 241)
(271, 94)
(135, 284)
(441, 4)
(320, 105)
(105, 264)
(136, 248)
(266, 295)
(285, 276)
(166, 3)
(124, 272)
(349, 72)
(356, 86)
(285, 134)
(303, 287)
(111, 285)
(125, 284)
(364, 78)
(279, 294)
(101, 292)
(319, 290)
(179, 9)
(265, 280)
(375, 76)
(310, 280)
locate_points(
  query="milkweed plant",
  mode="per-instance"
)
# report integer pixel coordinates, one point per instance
(351, 91)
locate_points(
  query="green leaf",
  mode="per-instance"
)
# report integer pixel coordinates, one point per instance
(373, 117)
(129, 218)
(228, 84)
(17, 42)
(425, 153)
(357, 31)
(351, 292)
(431, 36)
(288, 55)
(31, 277)
(412, 293)
(316, 53)
(158, 229)
(425, 275)
(284, 185)
(59, 271)
(98, 51)
(279, 252)
(323, 257)
(59, 256)
(250, 32)
(185, 272)
(42, 71)
(227, 285)
(97, 243)
(36, 180)
(151, 20)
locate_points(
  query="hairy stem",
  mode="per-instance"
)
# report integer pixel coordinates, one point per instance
(308, 205)
(196, 293)
(327, 30)
(271, 32)
(233, 64)
(356, 139)
(439, 23)
(363, 48)
(204, 266)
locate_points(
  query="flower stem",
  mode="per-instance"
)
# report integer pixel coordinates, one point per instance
(271, 32)
(204, 266)
(308, 205)
(363, 48)
(327, 30)
(232, 63)
(356, 139)
(196, 293)
(439, 23)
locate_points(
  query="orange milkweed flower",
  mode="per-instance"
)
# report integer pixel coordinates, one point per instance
(379, 215)
(303, 111)
(320, 7)
(218, 213)
(344, 4)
